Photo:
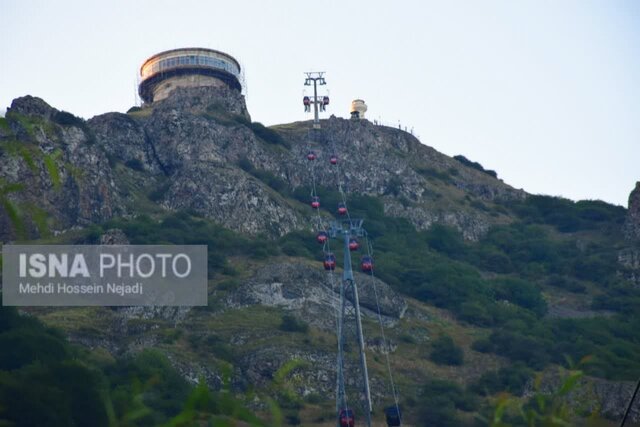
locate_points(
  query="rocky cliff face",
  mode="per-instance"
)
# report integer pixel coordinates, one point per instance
(184, 153)
(415, 181)
(629, 257)
(53, 173)
(81, 173)
(632, 224)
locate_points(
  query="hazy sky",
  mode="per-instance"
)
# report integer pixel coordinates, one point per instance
(547, 93)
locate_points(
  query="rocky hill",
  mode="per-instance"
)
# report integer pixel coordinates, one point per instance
(513, 281)
(197, 150)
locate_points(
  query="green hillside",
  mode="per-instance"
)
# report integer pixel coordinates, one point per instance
(505, 292)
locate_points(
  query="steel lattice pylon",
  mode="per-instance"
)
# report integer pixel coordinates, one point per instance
(350, 327)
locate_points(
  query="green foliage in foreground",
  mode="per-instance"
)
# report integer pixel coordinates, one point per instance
(511, 379)
(46, 382)
(41, 382)
(543, 409)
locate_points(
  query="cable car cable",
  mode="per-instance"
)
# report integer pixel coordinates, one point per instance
(326, 249)
(385, 342)
(386, 345)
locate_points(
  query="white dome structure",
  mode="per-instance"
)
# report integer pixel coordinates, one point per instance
(358, 108)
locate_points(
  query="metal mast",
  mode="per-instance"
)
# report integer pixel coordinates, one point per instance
(315, 77)
(350, 323)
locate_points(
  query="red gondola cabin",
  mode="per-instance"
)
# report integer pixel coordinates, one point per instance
(311, 155)
(366, 265)
(353, 244)
(342, 209)
(330, 262)
(334, 160)
(315, 202)
(346, 418)
(322, 237)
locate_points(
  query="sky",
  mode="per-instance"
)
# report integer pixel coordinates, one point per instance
(547, 93)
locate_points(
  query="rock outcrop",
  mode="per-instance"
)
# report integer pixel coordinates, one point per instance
(629, 259)
(632, 224)
(53, 175)
(307, 291)
(123, 139)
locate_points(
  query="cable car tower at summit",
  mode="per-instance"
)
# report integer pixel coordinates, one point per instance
(317, 79)
(353, 393)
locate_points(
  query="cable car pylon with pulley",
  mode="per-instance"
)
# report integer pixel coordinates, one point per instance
(350, 324)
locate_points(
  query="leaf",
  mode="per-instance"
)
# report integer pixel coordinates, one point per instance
(11, 188)
(52, 169)
(14, 217)
(570, 383)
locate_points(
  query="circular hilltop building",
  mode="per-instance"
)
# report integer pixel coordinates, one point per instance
(187, 67)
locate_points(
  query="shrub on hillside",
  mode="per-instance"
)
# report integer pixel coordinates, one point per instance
(268, 135)
(290, 323)
(445, 239)
(475, 165)
(441, 400)
(445, 352)
(134, 164)
(566, 283)
(67, 119)
(511, 379)
(520, 292)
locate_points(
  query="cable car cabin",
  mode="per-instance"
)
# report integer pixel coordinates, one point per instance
(322, 237)
(315, 202)
(346, 418)
(334, 160)
(325, 100)
(342, 209)
(330, 262)
(393, 415)
(353, 244)
(306, 100)
(311, 155)
(366, 265)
